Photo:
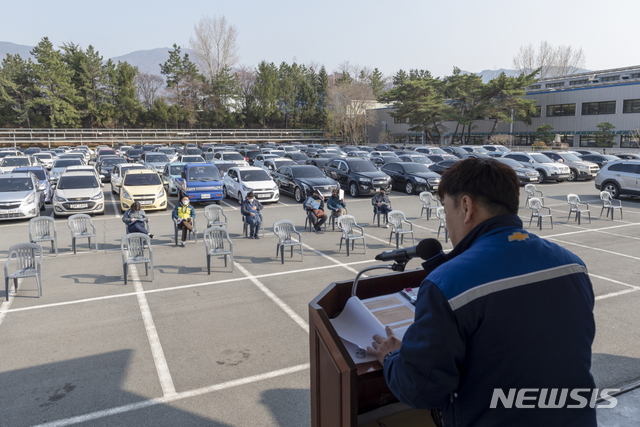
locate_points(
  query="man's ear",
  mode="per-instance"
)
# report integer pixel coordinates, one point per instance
(469, 208)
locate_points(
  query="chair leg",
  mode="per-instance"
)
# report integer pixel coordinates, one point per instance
(398, 236)
(577, 217)
(291, 252)
(6, 288)
(282, 254)
(208, 264)
(347, 246)
(124, 267)
(73, 244)
(341, 239)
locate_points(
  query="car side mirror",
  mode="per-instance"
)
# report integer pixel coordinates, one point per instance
(531, 161)
(560, 160)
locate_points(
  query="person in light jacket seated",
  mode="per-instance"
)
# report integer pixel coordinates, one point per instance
(336, 205)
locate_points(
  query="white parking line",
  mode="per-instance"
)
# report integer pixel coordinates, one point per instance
(177, 396)
(594, 249)
(164, 375)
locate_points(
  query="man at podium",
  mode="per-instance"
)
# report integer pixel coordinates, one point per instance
(503, 323)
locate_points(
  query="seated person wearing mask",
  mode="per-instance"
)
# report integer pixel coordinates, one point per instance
(314, 206)
(183, 214)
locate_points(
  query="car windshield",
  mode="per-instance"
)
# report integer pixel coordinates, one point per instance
(193, 159)
(254, 175)
(15, 184)
(415, 168)
(362, 166)
(307, 172)
(166, 151)
(157, 158)
(298, 156)
(134, 152)
(39, 173)
(114, 161)
(610, 158)
(224, 167)
(43, 155)
(134, 180)
(509, 162)
(63, 163)
(175, 170)
(193, 151)
(232, 156)
(204, 173)
(422, 159)
(15, 161)
(75, 182)
(540, 158)
(570, 157)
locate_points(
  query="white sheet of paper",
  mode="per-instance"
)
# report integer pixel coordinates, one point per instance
(356, 324)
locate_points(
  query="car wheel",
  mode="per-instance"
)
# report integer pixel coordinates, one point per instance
(543, 177)
(573, 175)
(409, 187)
(225, 194)
(218, 202)
(298, 195)
(353, 190)
(239, 198)
(612, 188)
(113, 190)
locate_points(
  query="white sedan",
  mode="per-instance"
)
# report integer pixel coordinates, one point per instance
(241, 180)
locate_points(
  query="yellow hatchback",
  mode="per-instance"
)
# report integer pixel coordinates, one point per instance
(144, 186)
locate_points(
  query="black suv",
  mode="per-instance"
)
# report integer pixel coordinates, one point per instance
(360, 176)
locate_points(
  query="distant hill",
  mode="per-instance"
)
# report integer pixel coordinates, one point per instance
(12, 48)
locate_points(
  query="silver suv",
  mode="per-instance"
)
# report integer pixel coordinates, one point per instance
(580, 169)
(547, 168)
(620, 177)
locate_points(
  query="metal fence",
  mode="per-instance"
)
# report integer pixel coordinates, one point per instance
(111, 137)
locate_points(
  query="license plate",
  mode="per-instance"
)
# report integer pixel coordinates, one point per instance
(205, 196)
(533, 179)
(263, 196)
(12, 211)
(79, 206)
(146, 202)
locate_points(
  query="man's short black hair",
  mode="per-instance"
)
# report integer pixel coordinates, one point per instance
(487, 181)
(250, 194)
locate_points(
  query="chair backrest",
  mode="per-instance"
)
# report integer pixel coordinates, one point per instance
(605, 196)
(79, 223)
(283, 229)
(26, 255)
(440, 213)
(346, 223)
(535, 203)
(215, 214)
(41, 226)
(215, 237)
(573, 200)
(427, 198)
(132, 245)
(396, 218)
(530, 189)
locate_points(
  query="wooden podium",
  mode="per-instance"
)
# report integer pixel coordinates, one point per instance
(340, 389)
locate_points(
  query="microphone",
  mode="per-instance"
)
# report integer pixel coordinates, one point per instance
(426, 249)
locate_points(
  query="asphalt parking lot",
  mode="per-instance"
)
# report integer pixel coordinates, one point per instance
(231, 348)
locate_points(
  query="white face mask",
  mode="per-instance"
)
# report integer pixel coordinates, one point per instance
(185, 202)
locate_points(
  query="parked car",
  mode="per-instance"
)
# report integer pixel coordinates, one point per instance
(240, 180)
(298, 157)
(184, 158)
(119, 171)
(319, 162)
(429, 150)
(169, 173)
(9, 163)
(260, 159)
(411, 177)
(358, 153)
(143, 186)
(547, 168)
(300, 181)
(232, 156)
(169, 152)
(580, 169)
(223, 166)
(154, 161)
(582, 151)
(20, 196)
(459, 152)
(599, 159)
(443, 165)
(415, 158)
(526, 174)
(42, 174)
(496, 148)
(78, 192)
(133, 155)
(619, 178)
(383, 159)
(359, 176)
(45, 159)
(200, 182)
(628, 156)
(106, 165)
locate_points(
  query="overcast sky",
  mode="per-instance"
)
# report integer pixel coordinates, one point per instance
(470, 34)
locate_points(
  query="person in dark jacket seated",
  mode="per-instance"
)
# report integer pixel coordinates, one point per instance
(314, 206)
(381, 203)
(136, 219)
(251, 208)
(503, 323)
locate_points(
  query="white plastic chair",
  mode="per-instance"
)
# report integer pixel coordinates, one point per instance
(136, 249)
(43, 229)
(398, 221)
(443, 223)
(215, 216)
(246, 226)
(79, 225)
(429, 203)
(531, 191)
(574, 206)
(609, 204)
(348, 225)
(537, 212)
(214, 244)
(285, 230)
(191, 234)
(27, 258)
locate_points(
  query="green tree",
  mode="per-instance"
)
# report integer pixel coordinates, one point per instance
(604, 137)
(17, 91)
(184, 82)
(377, 83)
(267, 93)
(465, 94)
(53, 80)
(322, 88)
(126, 105)
(504, 98)
(544, 134)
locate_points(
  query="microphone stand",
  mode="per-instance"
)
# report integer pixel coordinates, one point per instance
(398, 265)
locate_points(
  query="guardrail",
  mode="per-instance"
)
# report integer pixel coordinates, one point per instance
(111, 137)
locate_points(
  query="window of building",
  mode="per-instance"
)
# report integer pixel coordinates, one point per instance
(588, 140)
(610, 78)
(561, 110)
(631, 106)
(578, 82)
(635, 76)
(398, 120)
(524, 139)
(593, 108)
(557, 84)
(629, 141)
(535, 86)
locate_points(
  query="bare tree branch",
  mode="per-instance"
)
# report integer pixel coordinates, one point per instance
(215, 44)
(148, 86)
